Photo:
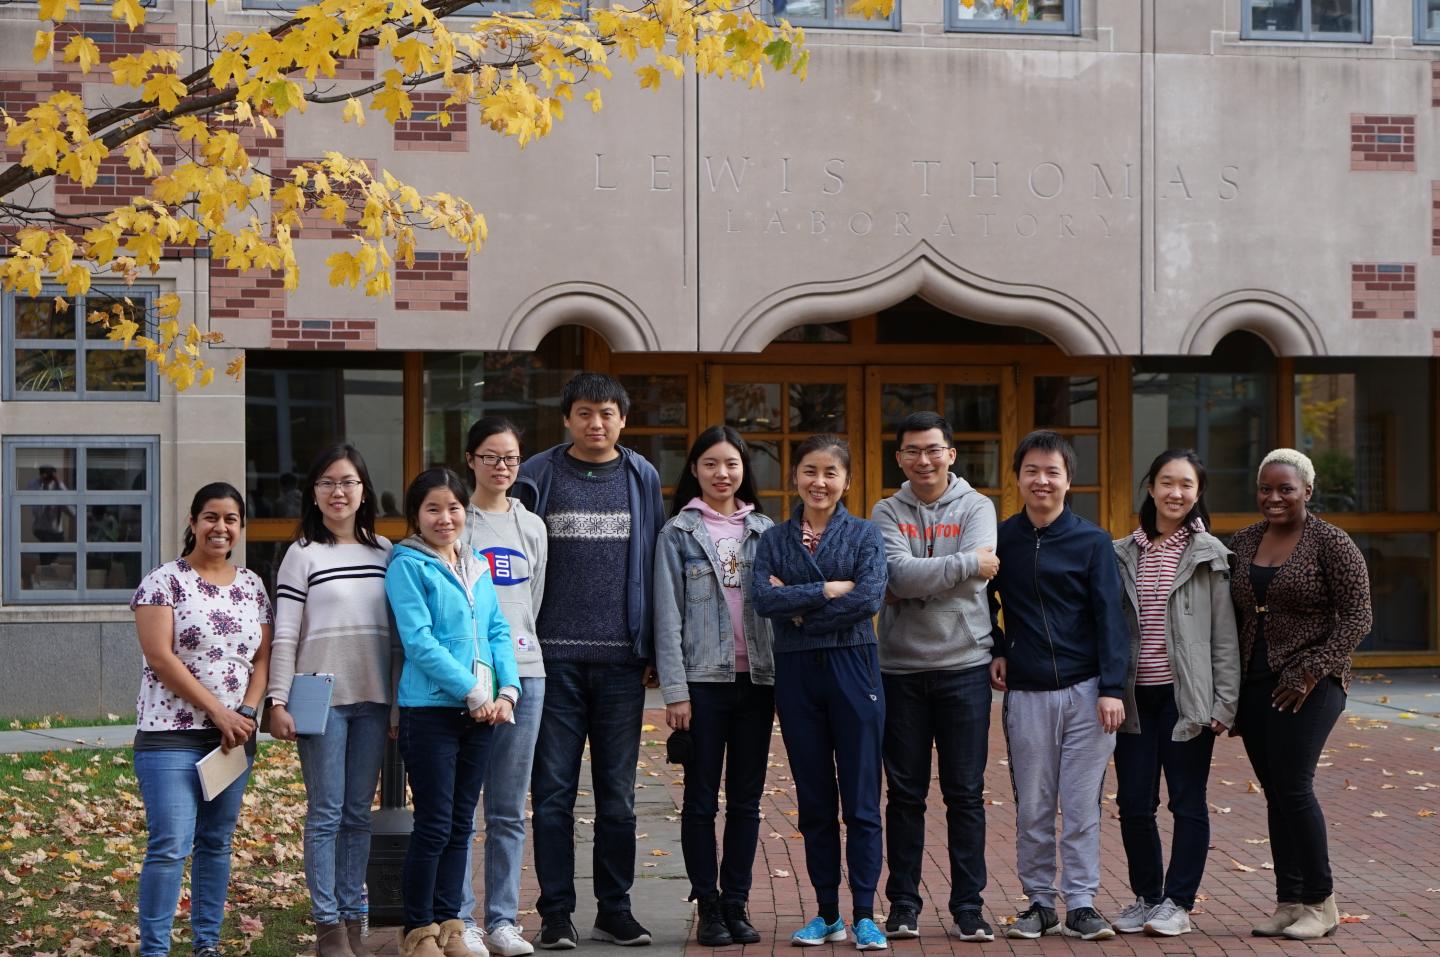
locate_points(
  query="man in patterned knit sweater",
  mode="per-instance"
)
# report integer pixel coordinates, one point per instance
(603, 511)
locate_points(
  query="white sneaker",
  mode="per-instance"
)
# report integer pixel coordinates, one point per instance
(505, 940)
(1132, 919)
(1168, 919)
(474, 939)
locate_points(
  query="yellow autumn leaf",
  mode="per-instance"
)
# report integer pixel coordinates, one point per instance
(128, 10)
(354, 112)
(593, 98)
(168, 305)
(44, 43)
(163, 89)
(81, 49)
(649, 77)
(56, 9)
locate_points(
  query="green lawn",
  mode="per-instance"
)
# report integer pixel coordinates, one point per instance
(45, 722)
(72, 837)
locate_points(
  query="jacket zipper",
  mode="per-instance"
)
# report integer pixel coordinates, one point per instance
(1044, 613)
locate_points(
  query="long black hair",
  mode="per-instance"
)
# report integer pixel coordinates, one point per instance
(425, 483)
(1147, 506)
(312, 526)
(209, 493)
(688, 486)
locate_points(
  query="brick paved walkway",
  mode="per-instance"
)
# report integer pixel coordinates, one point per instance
(1379, 783)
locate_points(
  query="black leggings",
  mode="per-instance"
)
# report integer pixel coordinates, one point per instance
(1284, 747)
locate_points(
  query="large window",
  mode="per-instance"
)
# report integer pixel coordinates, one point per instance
(80, 520)
(831, 13)
(1427, 21)
(1045, 16)
(1368, 427)
(1334, 20)
(54, 352)
(1221, 406)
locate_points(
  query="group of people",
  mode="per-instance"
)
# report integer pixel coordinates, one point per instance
(1146, 648)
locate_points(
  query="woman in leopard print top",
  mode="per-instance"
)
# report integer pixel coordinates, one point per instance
(1302, 599)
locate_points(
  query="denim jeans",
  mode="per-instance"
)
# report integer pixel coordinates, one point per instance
(341, 768)
(507, 783)
(604, 703)
(179, 820)
(952, 709)
(1139, 760)
(1284, 748)
(444, 750)
(730, 722)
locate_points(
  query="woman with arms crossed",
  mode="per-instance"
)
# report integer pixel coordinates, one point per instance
(331, 618)
(820, 577)
(1302, 597)
(716, 662)
(204, 628)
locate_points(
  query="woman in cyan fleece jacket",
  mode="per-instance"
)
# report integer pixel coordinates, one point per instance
(820, 577)
(457, 652)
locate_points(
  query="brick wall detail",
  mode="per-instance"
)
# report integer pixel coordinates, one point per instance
(1435, 344)
(114, 40)
(1435, 83)
(21, 91)
(313, 223)
(327, 334)
(254, 294)
(438, 282)
(253, 139)
(1382, 142)
(1382, 291)
(361, 66)
(423, 133)
(1435, 217)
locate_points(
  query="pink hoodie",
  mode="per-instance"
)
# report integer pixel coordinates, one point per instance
(727, 532)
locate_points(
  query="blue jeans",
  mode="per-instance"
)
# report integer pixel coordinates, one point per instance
(444, 750)
(1139, 760)
(179, 821)
(507, 783)
(730, 723)
(605, 703)
(951, 709)
(341, 768)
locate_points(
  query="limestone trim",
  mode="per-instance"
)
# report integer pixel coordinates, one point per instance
(601, 309)
(924, 272)
(1282, 323)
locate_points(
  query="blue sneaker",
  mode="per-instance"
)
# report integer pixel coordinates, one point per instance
(868, 936)
(818, 932)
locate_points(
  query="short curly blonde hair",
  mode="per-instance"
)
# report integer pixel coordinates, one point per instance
(1298, 461)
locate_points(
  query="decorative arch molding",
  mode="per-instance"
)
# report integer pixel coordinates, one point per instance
(1284, 326)
(924, 272)
(598, 308)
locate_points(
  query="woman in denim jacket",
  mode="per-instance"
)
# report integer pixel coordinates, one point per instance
(717, 672)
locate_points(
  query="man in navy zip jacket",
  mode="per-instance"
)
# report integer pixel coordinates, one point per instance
(603, 511)
(1061, 661)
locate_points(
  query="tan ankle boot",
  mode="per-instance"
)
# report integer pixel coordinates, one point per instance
(330, 941)
(1332, 911)
(452, 941)
(1314, 922)
(356, 939)
(421, 942)
(1286, 913)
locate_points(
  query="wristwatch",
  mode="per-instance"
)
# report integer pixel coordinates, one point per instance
(245, 711)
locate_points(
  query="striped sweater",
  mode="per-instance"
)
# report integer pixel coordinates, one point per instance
(1158, 563)
(331, 618)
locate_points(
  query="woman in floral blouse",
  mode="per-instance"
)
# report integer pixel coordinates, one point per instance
(204, 628)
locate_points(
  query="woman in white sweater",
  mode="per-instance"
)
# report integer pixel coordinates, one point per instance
(331, 618)
(513, 540)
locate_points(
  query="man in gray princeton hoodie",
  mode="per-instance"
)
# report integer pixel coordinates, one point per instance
(934, 662)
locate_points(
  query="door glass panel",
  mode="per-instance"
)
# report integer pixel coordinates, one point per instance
(665, 452)
(765, 466)
(753, 406)
(115, 469)
(44, 470)
(978, 462)
(1066, 401)
(47, 571)
(972, 408)
(1086, 505)
(113, 523)
(1087, 452)
(119, 570)
(656, 400)
(1402, 577)
(817, 408)
(899, 399)
(47, 523)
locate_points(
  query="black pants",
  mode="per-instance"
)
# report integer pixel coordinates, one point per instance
(1284, 748)
(1139, 760)
(951, 709)
(730, 724)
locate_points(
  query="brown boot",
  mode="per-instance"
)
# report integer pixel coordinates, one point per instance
(357, 940)
(330, 941)
(452, 941)
(421, 942)
(1286, 913)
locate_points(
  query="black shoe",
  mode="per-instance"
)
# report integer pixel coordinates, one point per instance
(969, 925)
(557, 932)
(1034, 922)
(1087, 924)
(710, 927)
(738, 922)
(205, 952)
(902, 923)
(620, 927)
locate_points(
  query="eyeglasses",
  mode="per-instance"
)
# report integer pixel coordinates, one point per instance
(511, 461)
(348, 485)
(911, 454)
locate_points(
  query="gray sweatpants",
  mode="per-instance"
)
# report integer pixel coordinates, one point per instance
(1058, 755)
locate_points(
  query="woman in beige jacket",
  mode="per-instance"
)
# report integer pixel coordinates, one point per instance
(1181, 689)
